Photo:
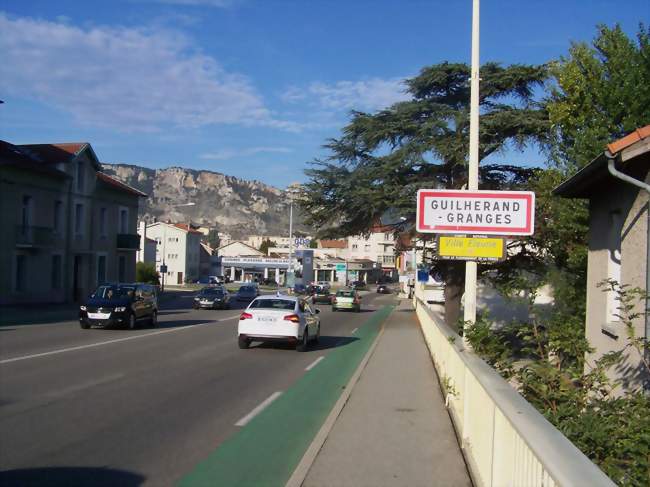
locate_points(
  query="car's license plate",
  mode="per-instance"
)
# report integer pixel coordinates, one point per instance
(99, 316)
(265, 318)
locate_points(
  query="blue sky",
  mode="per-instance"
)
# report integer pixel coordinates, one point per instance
(250, 88)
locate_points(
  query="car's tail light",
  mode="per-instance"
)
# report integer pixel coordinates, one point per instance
(333, 300)
(294, 318)
(356, 301)
(245, 316)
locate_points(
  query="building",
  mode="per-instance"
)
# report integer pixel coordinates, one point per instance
(67, 227)
(208, 261)
(147, 251)
(616, 185)
(178, 248)
(298, 242)
(378, 246)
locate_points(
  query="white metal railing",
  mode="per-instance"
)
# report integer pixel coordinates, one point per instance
(505, 440)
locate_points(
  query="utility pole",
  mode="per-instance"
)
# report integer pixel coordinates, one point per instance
(470, 266)
(290, 266)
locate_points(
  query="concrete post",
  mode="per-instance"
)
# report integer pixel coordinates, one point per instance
(266, 273)
(232, 273)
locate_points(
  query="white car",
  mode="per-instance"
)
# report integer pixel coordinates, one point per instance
(279, 318)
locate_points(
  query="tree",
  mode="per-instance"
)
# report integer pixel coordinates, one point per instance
(266, 244)
(146, 272)
(382, 159)
(601, 93)
(213, 238)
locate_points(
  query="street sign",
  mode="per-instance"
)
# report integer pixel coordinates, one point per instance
(163, 269)
(471, 248)
(340, 267)
(475, 212)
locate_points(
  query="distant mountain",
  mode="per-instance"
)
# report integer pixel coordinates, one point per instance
(233, 205)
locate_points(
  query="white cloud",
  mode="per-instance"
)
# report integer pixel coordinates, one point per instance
(224, 154)
(132, 79)
(369, 95)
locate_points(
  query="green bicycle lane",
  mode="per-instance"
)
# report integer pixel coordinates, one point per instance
(267, 450)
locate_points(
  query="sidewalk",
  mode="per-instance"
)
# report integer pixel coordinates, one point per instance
(394, 430)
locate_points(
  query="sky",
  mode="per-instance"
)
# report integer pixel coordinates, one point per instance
(251, 88)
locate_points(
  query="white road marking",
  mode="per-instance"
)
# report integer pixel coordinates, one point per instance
(108, 342)
(314, 363)
(354, 331)
(246, 419)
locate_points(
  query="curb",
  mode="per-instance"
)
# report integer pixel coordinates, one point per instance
(308, 459)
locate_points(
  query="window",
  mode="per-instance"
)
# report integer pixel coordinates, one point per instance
(102, 222)
(20, 279)
(121, 268)
(26, 219)
(56, 272)
(366, 248)
(78, 219)
(101, 269)
(80, 176)
(355, 246)
(124, 220)
(387, 236)
(58, 217)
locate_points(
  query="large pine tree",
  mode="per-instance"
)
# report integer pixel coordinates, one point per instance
(383, 158)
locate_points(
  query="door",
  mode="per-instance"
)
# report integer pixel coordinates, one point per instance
(179, 279)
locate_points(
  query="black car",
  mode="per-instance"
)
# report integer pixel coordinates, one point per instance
(300, 289)
(212, 298)
(358, 285)
(247, 293)
(121, 305)
(321, 294)
(383, 289)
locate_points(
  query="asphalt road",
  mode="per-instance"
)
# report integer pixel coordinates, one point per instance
(119, 407)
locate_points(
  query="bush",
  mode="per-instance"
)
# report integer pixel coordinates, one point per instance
(145, 272)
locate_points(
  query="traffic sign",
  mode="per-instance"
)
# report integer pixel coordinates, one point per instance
(475, 212)
(471, 248)
(163, 269)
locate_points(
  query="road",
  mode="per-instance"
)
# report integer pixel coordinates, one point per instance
(140, 407)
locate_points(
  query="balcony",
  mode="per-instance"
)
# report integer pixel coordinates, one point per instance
(28, 236)
(128, 241)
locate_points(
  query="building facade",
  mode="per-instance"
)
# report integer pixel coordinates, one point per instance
(618, 248)
(178, 248)
(68, 226)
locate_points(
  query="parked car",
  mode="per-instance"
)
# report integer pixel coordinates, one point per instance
(279, 318)
(324, 284)
(346, 299)
(122, 305)
(383, 289)
(300, 289)
(269, 282)
(212, 298)
(247, 293)
(321, 294)
(359, 285)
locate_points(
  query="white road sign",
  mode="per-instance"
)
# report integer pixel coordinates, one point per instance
(476, 212)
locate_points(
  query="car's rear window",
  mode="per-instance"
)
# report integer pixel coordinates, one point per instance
(211, 291)
(273, 303)
(345, 294)
(247, 289)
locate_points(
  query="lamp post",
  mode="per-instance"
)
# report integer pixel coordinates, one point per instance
(291, 191)
(164, 265)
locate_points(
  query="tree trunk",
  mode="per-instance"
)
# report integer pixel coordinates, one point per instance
(454, 288)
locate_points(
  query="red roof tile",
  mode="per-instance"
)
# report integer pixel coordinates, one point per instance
(119, 184)
(333, 244)
(186, 227)
(628, 140)
(54, 153)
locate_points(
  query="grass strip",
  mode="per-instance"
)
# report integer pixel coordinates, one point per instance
(267, 450)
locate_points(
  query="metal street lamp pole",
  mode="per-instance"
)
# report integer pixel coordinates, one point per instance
(290, 267)
(470, 266)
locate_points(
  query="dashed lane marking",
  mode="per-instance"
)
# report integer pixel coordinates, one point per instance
(264, 404)
(314, 363)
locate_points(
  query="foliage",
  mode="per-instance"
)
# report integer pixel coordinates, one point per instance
(146, 272)
(382, 159)
(266, 244)
(601, 93)
(213, 238)
(313, 243)
(545, 359)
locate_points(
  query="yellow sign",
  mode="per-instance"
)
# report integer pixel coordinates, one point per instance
(470, 248)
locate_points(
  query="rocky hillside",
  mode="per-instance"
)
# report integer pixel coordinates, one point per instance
(233, 205)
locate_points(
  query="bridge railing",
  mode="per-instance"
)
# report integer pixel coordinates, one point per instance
(505, 440)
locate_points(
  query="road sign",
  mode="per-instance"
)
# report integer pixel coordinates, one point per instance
(163, 269)
(471, 248)
(475, 212)
(340, 267)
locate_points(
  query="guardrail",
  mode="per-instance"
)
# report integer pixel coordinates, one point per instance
(505, 440)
